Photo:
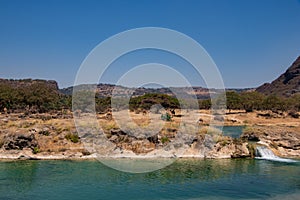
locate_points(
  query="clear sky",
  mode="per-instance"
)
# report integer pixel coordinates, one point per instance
(251, 42)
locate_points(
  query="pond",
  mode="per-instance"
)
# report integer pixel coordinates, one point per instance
(232, 131)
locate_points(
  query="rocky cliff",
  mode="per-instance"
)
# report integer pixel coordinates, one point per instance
(286, 84)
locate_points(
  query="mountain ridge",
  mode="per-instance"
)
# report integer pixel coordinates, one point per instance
(287, 84)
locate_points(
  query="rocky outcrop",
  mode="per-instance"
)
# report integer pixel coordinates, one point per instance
(284, 141)
(127, 142)
(183, 145)
(230, 148)
(20, 142)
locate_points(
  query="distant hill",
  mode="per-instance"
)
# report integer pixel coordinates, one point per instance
(286, 84)
(21, 83)
(105, 90)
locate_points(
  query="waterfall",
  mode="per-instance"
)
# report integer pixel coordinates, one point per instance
(263, 152)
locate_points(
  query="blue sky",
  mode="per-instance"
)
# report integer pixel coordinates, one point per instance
(251, 42)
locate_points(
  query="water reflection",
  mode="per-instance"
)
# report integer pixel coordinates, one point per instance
(188, 170)
(185, 179)
(18, 176)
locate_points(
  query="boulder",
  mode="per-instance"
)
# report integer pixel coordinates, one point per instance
(241, 151)
(20, 141)
(153, 139)
(252, 136)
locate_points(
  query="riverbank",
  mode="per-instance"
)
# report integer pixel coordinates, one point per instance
(54, 137)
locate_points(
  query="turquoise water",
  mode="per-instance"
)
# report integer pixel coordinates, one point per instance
(185, 179)
(232, 131)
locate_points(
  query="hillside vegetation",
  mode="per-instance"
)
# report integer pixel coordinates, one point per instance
(39, 96)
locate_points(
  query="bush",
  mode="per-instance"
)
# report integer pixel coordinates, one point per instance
(72, 137)
(146, 101)
(223, 142)
(164, 139)
(36, 150)
(294, 114)
(166, 117)
(44, 132)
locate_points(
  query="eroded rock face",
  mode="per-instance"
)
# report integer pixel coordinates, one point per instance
(139, 146)
(284, 141)
(183, 145)
(241, 151)
(230, 150)
(251, 136)
(20, 141)
(131, 143)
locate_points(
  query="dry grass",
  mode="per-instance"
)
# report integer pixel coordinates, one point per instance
(59, 128)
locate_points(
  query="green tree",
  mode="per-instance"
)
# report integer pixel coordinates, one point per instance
(103, 104)
(273, 102)
(233, 100)
(252, 101)
(41, 96)
(145, 101)
(205, 104)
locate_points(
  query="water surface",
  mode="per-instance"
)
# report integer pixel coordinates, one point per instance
(232, 131)
(185, 179)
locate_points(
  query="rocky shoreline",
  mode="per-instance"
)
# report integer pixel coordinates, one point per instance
(55, 138)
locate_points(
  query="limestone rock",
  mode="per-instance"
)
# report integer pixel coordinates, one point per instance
(285, 141)
(20, 141)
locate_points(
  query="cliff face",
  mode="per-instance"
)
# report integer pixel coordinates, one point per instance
(286, 84)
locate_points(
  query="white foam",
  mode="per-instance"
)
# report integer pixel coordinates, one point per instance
(266, 154)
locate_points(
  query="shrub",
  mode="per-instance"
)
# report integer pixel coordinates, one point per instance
(223, 142)
(166, 117)
(44, 132)
(72, 137)
(164, 139)
(36, 150)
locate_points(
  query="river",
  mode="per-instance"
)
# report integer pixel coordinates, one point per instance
(184, 179)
